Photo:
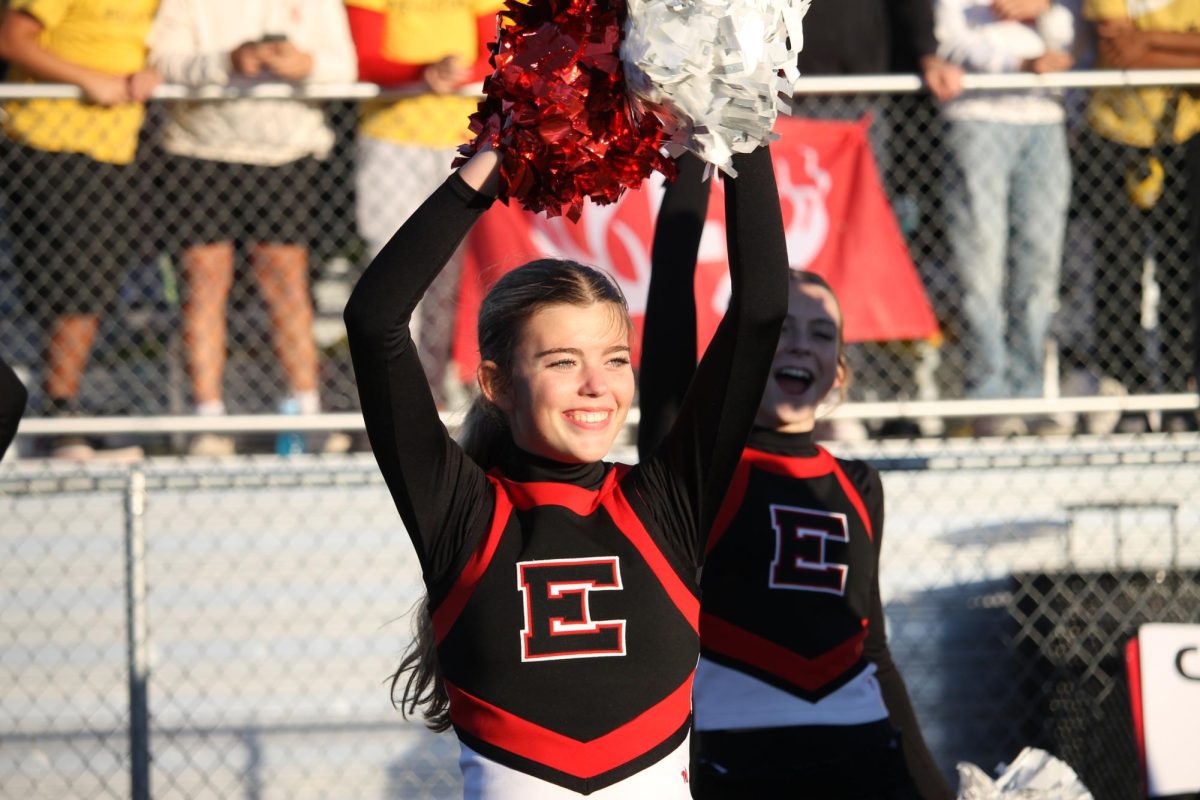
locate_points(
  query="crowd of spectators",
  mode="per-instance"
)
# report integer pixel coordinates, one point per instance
(242, 168)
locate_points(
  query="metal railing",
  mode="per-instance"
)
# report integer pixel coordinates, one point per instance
(138, 371)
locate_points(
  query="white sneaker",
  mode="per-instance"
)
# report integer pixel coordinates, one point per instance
(1084, 383)
(211, 445)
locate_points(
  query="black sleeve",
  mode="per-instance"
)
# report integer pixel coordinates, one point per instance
(930, 781)
(912, 33)
(669, 326)
(12, 405)
(684, 480)
(443, 497)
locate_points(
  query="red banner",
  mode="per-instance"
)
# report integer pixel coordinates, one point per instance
(837, 219)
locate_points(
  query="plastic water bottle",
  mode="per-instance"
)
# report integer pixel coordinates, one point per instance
(289, 443)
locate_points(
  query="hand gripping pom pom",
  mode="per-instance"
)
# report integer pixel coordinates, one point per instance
(715, 73)
(555, 108)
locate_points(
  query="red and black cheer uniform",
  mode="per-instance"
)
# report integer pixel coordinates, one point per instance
(564, 597)
(796, 693)
(788, 581)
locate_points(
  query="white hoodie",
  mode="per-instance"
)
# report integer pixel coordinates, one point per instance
(190, 44)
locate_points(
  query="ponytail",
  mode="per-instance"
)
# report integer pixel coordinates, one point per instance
(423, 688)
(484, 434)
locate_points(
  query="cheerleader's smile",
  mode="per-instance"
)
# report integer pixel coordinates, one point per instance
(807, 364)
(794, 380)
(571, 384)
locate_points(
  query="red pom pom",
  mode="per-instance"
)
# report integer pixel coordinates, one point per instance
(555, 108)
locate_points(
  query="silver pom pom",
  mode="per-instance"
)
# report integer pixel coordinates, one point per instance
(717, 72)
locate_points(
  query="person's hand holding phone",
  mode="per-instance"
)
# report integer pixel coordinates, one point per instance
(284, 59)
(247, 59)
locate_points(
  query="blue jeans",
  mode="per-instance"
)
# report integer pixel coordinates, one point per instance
(1006, 203)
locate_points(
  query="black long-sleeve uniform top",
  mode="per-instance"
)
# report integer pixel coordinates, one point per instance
(490, 544)
(12, 404)
(668, 351)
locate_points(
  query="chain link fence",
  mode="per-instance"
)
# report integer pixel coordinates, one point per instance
(225, 631)
(208, 634)
(1121, 299)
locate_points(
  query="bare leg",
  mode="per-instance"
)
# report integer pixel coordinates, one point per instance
(282, 272)
(71, 342)
(208, 270)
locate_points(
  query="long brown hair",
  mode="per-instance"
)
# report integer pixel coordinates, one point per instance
(484, 436)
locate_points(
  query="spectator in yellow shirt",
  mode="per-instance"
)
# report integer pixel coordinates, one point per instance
(1134, 126)
(69, 184)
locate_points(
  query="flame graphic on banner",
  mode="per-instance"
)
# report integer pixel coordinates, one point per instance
(806, 229)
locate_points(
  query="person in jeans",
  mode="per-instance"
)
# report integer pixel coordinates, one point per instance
(1008, 191)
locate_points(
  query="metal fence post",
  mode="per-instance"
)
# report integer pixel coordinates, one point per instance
(135, 614)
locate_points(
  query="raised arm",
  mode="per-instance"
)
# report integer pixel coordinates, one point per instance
(930, 782)
(438, 491)
(692, 467)
(669, 328)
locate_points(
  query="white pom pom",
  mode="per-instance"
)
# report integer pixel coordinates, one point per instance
(717, 72)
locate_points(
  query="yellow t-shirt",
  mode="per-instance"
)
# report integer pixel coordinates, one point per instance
(1131, 116)
(104, 35)
(422, 32)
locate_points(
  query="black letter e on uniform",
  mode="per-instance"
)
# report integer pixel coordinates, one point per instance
(558, 617)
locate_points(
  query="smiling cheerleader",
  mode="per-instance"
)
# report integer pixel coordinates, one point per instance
(796, 693)
(560, 634)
